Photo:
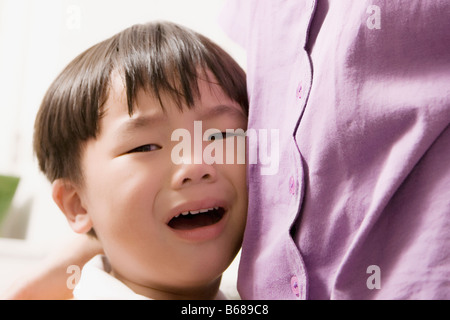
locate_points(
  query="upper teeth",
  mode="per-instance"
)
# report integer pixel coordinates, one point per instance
(193, 212)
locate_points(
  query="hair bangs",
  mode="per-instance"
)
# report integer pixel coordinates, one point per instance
(163, 61)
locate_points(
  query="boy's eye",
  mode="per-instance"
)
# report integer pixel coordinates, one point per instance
(145, 148)
(222, 135)
(217, 136)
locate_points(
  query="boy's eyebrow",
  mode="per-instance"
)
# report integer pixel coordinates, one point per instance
(222, 109)
(136, 123)
(140, 122)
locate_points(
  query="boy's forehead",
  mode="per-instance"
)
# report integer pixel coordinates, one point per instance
(148, 112)
(117, 89)
(117, 100)
(211, 96)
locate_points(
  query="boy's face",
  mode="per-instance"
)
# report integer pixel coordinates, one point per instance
(134, 191)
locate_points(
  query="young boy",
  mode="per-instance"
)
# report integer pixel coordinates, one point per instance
(106, 136)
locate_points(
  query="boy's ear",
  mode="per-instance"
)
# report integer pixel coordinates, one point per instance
(68, 199)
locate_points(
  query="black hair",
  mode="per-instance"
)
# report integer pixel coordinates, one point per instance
(161, 57)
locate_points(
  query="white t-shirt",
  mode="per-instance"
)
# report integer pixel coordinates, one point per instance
(96, 283)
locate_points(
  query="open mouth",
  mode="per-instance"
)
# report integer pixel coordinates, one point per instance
(196, 219)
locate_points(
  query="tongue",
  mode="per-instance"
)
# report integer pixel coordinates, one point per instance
(189, 221)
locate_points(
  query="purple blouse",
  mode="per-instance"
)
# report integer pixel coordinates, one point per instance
(349, 193)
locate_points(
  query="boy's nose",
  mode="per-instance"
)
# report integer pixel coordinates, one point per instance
(190, 174)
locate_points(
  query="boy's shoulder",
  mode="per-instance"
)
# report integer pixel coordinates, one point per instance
(97, 283)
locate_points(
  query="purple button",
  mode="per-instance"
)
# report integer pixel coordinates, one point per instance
(295, 287)
(292, 186)
(299, 91)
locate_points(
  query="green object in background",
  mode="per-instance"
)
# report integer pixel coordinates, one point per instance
(8, 186)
